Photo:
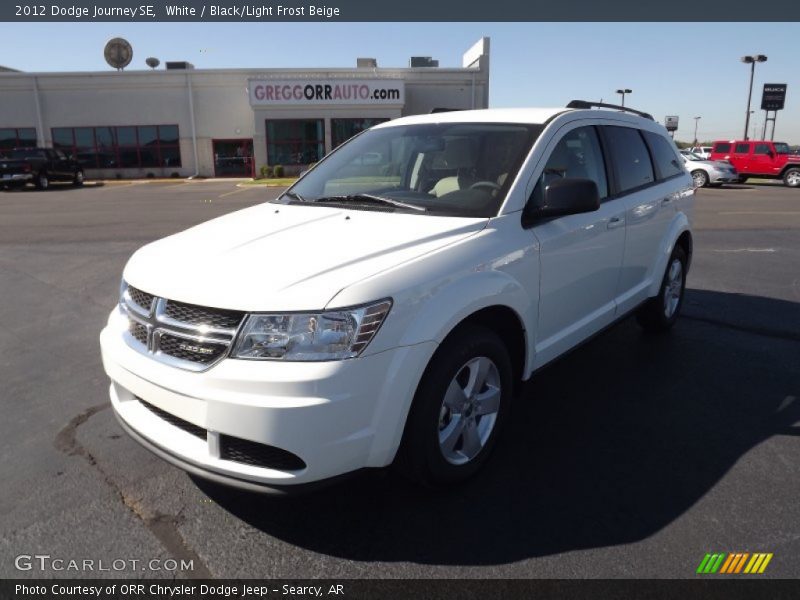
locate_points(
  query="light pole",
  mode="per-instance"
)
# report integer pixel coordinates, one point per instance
(622, 92)
(696, 119)
(751, 60)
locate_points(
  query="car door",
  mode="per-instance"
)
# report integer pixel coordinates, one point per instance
(649, 177)
(741, 158)
(764, 159)
(579, 255)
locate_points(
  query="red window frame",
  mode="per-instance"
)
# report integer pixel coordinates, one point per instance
(297, 143)
(116, 147)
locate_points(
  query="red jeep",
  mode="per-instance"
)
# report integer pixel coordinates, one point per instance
(760, 158)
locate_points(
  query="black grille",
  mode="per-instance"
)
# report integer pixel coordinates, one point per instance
(199, 352)
(258, 455)
(141, 298)
(200, 315)
(138, 331)
(175, 421)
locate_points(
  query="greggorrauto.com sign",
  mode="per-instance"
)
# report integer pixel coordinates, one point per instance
(293, 92)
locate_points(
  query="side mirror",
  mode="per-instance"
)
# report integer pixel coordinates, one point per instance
(564, 197)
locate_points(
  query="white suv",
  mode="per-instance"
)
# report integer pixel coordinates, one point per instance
(383, 310)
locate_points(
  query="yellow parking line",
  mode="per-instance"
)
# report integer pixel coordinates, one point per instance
(759, 212)
(236, 191)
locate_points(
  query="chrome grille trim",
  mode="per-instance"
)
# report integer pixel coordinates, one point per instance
(205, 345)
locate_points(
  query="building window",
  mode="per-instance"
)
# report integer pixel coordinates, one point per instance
(128, 147)
(343, 129)
(20, 137)
(295, 141)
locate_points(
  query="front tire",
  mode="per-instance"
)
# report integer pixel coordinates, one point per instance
(791, 178)
(42, 181)
(660, 313)
(700, 178)
(459, 408)
(77, 181)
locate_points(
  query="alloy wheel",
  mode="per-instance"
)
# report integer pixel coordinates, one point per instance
(469, 410)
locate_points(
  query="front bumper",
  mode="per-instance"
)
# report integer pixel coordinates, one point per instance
(723, 177)
(17, 177)
(337, 416)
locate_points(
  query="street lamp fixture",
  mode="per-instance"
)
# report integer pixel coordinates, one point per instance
(751, 60)
(624, 91)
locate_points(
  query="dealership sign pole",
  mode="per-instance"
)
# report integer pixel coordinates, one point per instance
(773, 98)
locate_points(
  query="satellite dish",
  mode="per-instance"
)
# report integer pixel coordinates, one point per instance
(152, 62)
(118, 53)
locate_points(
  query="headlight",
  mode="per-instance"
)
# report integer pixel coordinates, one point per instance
(330, 335)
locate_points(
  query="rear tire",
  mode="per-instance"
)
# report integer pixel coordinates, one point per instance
(42, 181)
(77, 181)
(659, 314)
(458, 409)
(742, 179)
(700, 178)
(791, 177)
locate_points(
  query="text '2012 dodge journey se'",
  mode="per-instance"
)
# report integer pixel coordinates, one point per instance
(382, 309)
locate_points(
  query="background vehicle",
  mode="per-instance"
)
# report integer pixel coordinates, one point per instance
(39, 166)
(760, 158)
(709, 172)
(419, 273)
(704, 152)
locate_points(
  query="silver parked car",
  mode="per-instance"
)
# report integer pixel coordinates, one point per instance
(709, 172)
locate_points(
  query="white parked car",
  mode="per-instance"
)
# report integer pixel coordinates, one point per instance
(709, 172)
(384, 308)
(704, 152)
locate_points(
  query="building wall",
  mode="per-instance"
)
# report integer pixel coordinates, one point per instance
(221, 104)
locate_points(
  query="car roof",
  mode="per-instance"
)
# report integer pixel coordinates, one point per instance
(532, 116)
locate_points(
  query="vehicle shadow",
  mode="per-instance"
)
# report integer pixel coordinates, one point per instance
(606, 446)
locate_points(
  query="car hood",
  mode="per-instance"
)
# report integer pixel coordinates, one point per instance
(286, 257)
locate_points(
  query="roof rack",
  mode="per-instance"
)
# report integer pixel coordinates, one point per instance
(440, 109)
(590, 104)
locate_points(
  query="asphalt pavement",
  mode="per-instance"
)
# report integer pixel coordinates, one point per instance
(632, 456)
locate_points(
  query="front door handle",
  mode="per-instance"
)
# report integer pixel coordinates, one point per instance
(615, 222)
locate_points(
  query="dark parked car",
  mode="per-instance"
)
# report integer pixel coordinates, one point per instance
(39, 166)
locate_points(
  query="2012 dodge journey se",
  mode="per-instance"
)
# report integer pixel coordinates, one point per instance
(383, 308)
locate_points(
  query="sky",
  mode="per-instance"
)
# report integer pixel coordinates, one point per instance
(683, 69)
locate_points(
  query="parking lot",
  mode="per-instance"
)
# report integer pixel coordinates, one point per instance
(633, 456)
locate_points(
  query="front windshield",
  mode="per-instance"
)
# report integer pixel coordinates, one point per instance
(781, 148)
(692, 156)
(452, 169)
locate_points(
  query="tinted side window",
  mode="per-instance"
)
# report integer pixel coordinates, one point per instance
(741, 148)
(667, 162)
(631, 158)
(722, 148)
(576, 156)
(761, 149)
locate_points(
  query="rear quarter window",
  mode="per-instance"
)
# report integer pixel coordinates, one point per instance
(665, 156)
(631, 157)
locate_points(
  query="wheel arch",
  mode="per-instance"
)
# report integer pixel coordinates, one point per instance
(679, 232)
(509, 326)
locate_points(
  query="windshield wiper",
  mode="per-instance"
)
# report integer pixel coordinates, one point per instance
(370, 198)
(295, 196)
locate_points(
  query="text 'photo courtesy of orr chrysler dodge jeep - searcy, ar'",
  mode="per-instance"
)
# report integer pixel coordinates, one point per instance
(382, 310)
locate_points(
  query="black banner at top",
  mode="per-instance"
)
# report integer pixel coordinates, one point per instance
(404, 10)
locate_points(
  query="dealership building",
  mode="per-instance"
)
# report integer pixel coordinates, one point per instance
(184, 121)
